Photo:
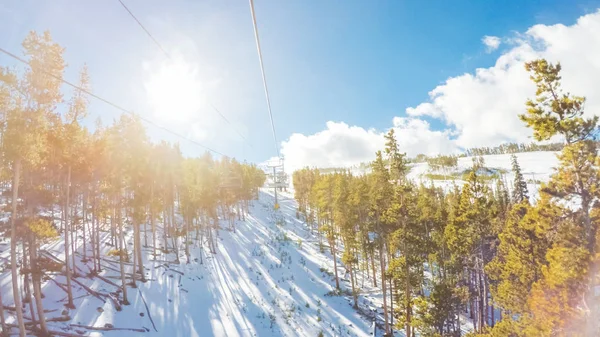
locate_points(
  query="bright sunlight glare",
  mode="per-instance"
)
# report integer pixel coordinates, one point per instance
(174, 91)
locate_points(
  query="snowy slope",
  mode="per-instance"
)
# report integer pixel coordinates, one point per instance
(536, 167)
(261, 282)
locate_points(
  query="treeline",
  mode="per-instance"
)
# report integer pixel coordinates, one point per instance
(481, 250)
(447, 160)
(67, 182)
(514, 148)
(442, 162)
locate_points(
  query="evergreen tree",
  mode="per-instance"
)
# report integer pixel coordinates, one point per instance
(554, 113)
(380, 196)
(520, 192)
(521, 255)
(33, 100)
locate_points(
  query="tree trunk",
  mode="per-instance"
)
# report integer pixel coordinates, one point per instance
(165, 231)
(481, 306)
(138, 246)
(187, 240)
(408, 294)
(362, 265)
(335, 271)
(122, 250)
(197, 228)
(67, 248)
(472, 314)
(383, 285)
(485, 300)
(73, 229)
(201, 250)
(146, 232)
(354, 292)
(213, 236)
(13, 248)
(174, 224)
(232, 217)
(2, 320)
(134, 252)
(84, 221)
(98, 241)
(113, 231)
(391, 291)
(458, 323)
(153, 223)
(37, 289)
(93, 231)
(373, 266)
(26, 283)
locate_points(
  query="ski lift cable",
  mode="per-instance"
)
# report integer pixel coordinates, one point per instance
(262, 69)
(114, 105)
(169, 57)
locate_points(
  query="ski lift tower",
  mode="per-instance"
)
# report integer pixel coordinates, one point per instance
(283, 177)
(278, 179)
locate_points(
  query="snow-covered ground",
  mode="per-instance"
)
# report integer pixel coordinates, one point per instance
(263, 281)
(536, 167)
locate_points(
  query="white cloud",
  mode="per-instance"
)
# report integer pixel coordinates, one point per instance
(491, 43)
(483, 107)
(478, 109)
(341, 145)
(415, 136)
(338, 145)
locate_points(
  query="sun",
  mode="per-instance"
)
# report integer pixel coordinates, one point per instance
(174, 91)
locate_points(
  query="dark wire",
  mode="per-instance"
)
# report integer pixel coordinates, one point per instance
(145, 30)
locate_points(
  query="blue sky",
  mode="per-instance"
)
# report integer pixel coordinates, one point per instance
(358, 62)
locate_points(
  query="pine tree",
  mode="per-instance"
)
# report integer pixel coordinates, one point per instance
(520, 192)
(554, 113)
(521, 255)
(469, 237)
(397, 160)
(346, 217)
(408, 244)
(34, 98)
(380, 196)
(72, 138)
(326, 199)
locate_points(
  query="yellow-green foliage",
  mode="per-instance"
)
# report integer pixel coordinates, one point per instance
(115, 252)
(42, 229)
(542, 269)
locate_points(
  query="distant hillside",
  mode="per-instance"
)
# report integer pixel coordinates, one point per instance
(536, 166)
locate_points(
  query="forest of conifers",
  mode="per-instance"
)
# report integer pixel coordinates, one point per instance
(59, 178)
(514, 265)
